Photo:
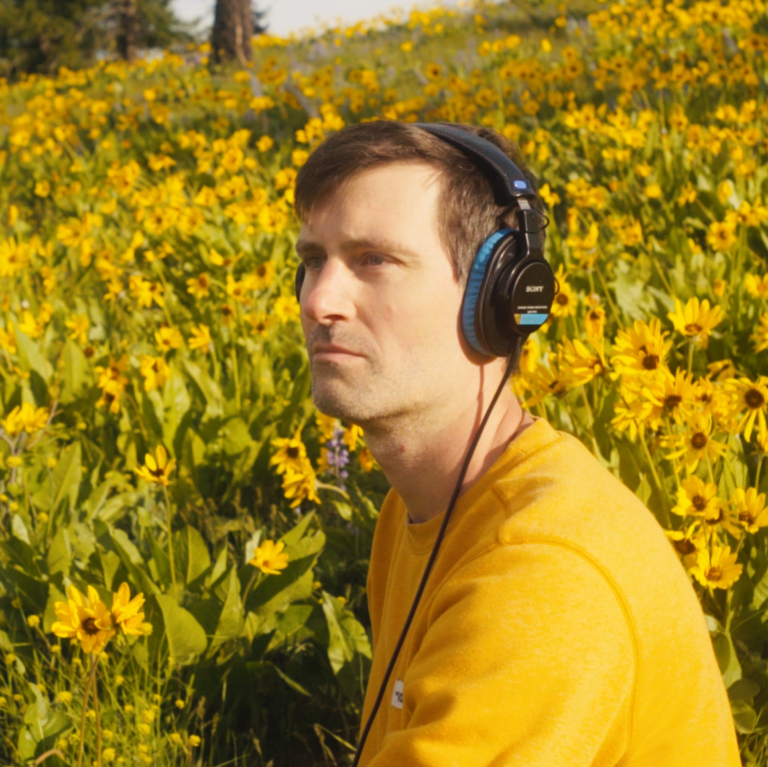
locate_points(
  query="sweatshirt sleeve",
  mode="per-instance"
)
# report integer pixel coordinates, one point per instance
(527, 659)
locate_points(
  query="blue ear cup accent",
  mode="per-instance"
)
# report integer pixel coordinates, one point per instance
(472, 290)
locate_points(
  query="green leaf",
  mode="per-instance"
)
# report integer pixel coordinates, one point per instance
(134, 564)
(295, 534)
(60, 553)
(190, 553)
(67, 477)
(346, 636)
(234, 436)
(31, 358)
(186, 637)
(294, 685)
(43, 726)
(744, 716)
(725, 652)
(231, 617)
(176, 402)
(77, 375)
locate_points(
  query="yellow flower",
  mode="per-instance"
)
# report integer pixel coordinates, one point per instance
(751, 509)
(127, 612)
(564, 304)
(78, 326)
(200, 338)
(433, 71)
(366, 459)
(84, 618)
(756, 286)
(748, 403)
(695, 444)
(718, 570)
(42, 188)
(155, 371)
(594, 322)
(108, 754)
(641, 349)
(687, 543)
(286, 308)
(8, 338)
(352, 435)
(265, 143)
(26, 418)
(291, 453)
(653, 191)
(33, 621)
(270, 558)
(168, 338)
(194, 741)
(759, 338)
(64, 697)
(179, 703)
(721, 235)
(697, 498)
(261, 277)
(696, 320)
(300, 485)
(199, 286)
(157, 468)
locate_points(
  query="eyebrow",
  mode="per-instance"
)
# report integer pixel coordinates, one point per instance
(312, 248)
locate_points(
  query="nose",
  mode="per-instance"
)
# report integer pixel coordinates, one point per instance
(327, 294)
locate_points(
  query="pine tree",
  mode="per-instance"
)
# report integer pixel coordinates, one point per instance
(232, 31)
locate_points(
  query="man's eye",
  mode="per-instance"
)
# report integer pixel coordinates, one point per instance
(374, 259)
(313, 262)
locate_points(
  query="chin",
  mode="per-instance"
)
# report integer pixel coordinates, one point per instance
(340, 401)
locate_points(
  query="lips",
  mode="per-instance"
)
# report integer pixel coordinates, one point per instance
(333, 349)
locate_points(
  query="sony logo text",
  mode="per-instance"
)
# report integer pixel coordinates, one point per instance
(534, 288)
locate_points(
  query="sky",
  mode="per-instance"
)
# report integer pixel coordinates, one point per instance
(286, 16)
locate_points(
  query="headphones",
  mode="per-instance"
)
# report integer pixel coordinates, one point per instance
(510, 288)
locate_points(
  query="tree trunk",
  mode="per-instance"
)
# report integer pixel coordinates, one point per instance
(232, 31)
(127, 39)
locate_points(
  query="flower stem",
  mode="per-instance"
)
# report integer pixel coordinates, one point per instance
(169, 513)
(96, 711)
(85, 709)
(652, 466)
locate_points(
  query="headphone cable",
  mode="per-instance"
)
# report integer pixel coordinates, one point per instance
(430, 563)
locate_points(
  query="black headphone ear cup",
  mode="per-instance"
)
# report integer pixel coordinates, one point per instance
(299, 281)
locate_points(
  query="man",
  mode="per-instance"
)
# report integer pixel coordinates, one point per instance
(557, 627)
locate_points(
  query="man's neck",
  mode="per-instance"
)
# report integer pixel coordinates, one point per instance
(423, 464)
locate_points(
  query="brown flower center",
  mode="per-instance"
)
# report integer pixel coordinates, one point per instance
(754, 399)
(686, 546)
(699, 441)
(713, 573)
(746, 517)
(261, 270)
(562, 299)
(699, 502)
(90, 627)
(650, 361)
(672, 401)
(693, 328)
(293, 452)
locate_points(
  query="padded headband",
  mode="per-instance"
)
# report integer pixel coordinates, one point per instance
(506, 179)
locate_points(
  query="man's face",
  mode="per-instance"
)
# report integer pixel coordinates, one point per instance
(380, 305)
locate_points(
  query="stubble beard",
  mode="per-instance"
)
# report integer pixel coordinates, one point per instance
(367, 398)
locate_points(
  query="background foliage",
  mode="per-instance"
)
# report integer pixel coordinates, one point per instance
(146, 280)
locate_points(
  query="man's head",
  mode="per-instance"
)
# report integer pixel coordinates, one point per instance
(392, 218)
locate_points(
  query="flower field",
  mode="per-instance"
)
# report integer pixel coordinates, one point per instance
(183, 537)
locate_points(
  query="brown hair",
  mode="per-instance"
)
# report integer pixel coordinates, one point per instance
(468, 212)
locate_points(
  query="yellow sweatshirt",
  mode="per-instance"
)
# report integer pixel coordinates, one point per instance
(557, 629)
